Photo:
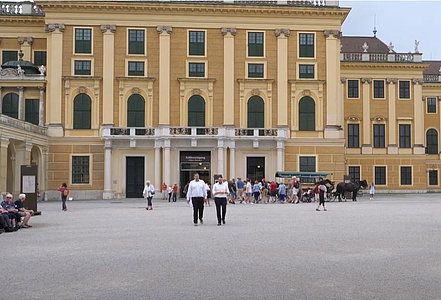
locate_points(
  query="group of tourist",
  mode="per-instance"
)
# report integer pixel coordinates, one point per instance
(13, 214)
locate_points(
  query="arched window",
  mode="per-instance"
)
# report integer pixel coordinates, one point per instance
(82, 112)
(432, 141)
(196, 111)
(135, 111)
(10, 105)
(255, 110)
(307, 114)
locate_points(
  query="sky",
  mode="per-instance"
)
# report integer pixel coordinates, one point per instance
(399, 22)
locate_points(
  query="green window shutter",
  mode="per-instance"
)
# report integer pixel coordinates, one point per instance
(255, 70)
(255, 44)
(40, 58)
(196, 111)
(32, 110)
(82, 67)
(82, 112)
(196, 70)
(196, 43)
(83, 40)
(135, 68)
(307, 114)
(10, 105)
(136, 111)
(432, 141)
(9, 56)
(136, 41)
(255, 111)
(306, 45)
(306, 71)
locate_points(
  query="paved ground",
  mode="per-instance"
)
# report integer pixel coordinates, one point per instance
(388, 248)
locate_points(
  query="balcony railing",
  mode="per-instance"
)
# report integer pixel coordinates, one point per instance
(22, 125)
(20, 9)
(187, 132)
(432, 78)
(264, 2)
(381, 57)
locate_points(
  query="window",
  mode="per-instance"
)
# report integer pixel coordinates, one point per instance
(196, 111)
(255, 108)
(306, 71)
(404, 89)
(135, 111)
(379, 137)
(433, 177)
(354, 173)
(255, 44)
(83, 40)
(306, 45)
(353, 136)
(353, 89)
(82, 67)
(378, 89)
(32, 111)
(307, 163)
(196, 70)
(10, 105)
(196, 43)
(82, 112)
(40, 58)
(136, 41)
(380, 175)
(80, 169)
(9, 56)
(431, 105)
(136, 68)
(255, 70)
(306, 114)
(406, 175)
(432, 141)
(404, 135)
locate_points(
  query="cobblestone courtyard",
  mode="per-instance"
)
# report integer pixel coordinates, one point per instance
(388, 248)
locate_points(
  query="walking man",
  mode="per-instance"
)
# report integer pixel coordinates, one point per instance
(220, 193)
(197, 193)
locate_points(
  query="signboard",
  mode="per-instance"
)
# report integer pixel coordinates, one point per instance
(29, 185)
(195, 156)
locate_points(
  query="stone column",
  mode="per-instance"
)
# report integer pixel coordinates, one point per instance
(54, 96)
(167, 162)
(157, 180)
(228, 34)
(45, 164)
(20, 102)
(232, 162)
(392, 147)
(1, 100)
(418, 110)
(4, 143)
(282, 76)
(41, 106)
(366, 147)
(279, 157)
(26, 47)
(334, 106)
(108, 72)
(164, 74)
(107, 194)
(220, 157)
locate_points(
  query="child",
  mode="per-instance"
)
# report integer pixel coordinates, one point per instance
(64, 193)
(371, 191)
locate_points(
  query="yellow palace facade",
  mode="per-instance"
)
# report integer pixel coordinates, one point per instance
(104, 95)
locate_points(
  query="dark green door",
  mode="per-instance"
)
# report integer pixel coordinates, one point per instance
(134, 177)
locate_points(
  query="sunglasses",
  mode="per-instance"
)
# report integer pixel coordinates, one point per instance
(8, 197)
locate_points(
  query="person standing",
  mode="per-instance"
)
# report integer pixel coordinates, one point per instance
(64, 190)
(371, 191)
(207, 201)
(220, 193)
(175, 191)
(164, 191)
(239, 186)
(149, 191)
(322, 190)
(197, 193)
(169, 191)
(256, 191)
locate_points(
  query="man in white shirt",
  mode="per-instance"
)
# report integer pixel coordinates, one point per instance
(197, 193)
(220, 193)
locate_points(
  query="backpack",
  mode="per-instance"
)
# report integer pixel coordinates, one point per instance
(65, 192)
(296, 184)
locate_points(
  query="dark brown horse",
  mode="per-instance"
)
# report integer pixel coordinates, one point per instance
(352, 187)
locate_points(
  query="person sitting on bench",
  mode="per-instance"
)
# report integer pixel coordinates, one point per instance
(26, 213)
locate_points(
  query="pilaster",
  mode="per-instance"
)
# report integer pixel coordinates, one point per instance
(4, 143)
(26, 47)
(366, 97)
(334, 106)
(220, 157)
(418, 124)
(1, 100)
(20, 102)
(157, 179)
(282, 76)
(228, 34)
(108, 72)
(280, 154)
(164, 74)
(232, 162)
(41, 106)
(54, 95)
(392, 147)
(107, 193)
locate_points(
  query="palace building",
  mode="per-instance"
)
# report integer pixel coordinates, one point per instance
(104, 95)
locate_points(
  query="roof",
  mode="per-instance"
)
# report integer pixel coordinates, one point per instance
(433, 68)
(282, 174)
(354, 44)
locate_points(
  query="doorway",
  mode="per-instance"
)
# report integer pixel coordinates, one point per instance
(194, 162)
(255, 168)
(134, 176)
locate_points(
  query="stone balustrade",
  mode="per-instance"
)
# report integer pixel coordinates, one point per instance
(22, 125)
(381, 57)
(20, 9)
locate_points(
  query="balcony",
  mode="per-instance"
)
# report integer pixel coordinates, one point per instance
(381, 57)
(22, 125)
(193, 132)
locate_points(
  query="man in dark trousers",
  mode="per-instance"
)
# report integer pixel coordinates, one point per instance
(220, 193)
(197, 193)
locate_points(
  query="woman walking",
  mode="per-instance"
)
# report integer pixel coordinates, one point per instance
(322, 191)
(149, 191)
(64, 190)
(371, 191)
